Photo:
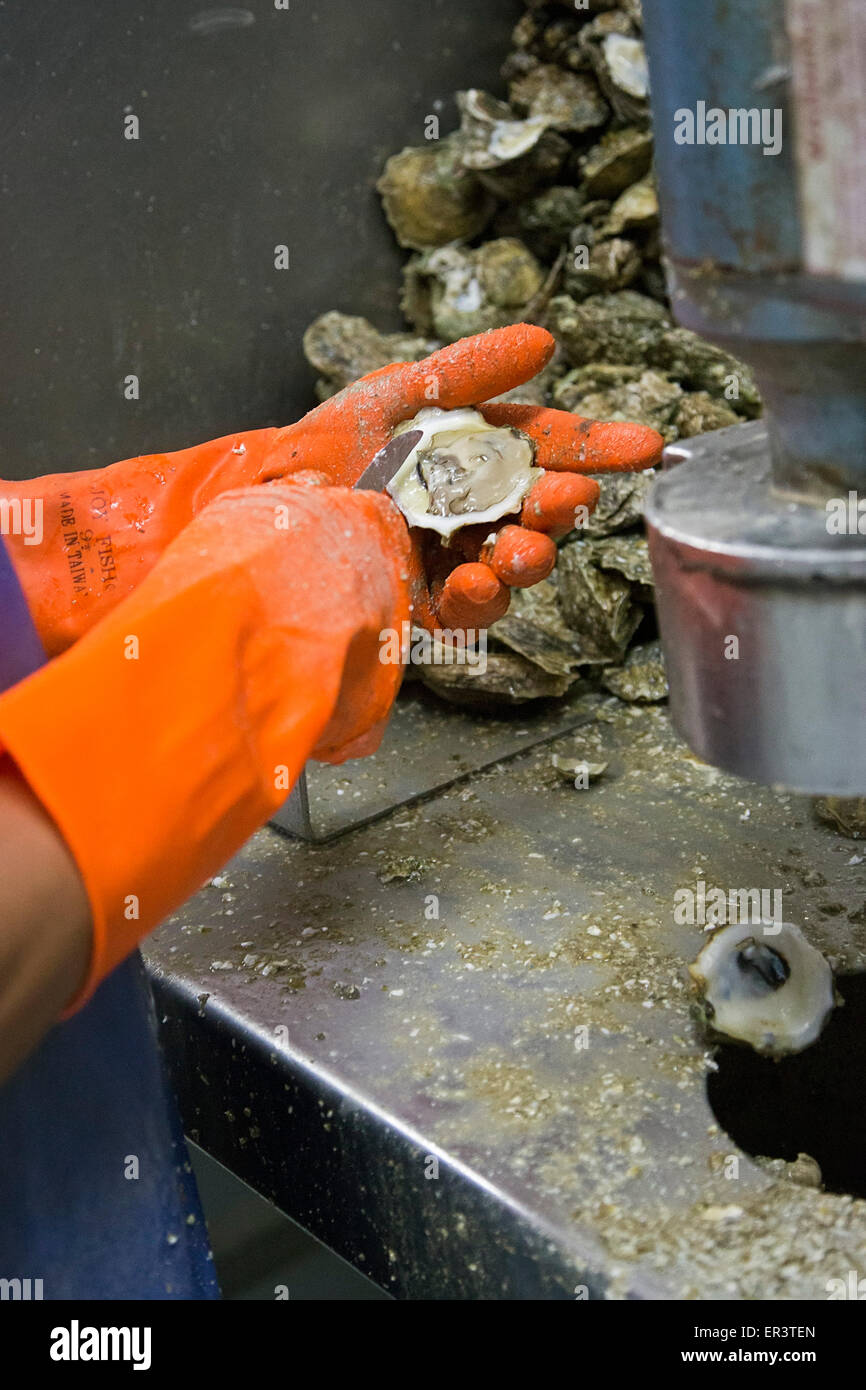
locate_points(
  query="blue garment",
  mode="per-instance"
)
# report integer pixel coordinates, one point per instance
(97, 1198)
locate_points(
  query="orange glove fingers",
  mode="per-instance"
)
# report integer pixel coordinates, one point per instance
(344, 433)
(566, 442)
(472, 597)
(519, 557)
(470, 370)
(168, 734)
(559, 502)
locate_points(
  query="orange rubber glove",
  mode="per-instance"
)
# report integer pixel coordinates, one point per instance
(105, 529)
(170, 732)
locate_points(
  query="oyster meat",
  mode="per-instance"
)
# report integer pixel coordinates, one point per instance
(765, 986)
(462, 471)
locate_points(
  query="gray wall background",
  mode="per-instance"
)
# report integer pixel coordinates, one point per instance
(155, 257)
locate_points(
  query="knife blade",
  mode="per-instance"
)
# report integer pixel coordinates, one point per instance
(381, 469)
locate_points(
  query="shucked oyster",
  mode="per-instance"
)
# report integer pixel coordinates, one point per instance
(765, 986)
(462, 471)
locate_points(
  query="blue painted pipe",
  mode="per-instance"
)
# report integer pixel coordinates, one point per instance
(744, 229)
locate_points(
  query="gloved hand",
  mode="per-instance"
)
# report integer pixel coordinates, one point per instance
(173, 729)
(105, 529)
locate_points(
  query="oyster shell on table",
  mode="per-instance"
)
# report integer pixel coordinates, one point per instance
(462, 471)
(846, 813)
(764, 985)
(535, 628)
(508, 679)
(641, 679)
(597, 605)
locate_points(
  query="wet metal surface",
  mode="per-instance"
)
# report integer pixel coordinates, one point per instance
(415, 760)
(761, 609)
(508, 1099)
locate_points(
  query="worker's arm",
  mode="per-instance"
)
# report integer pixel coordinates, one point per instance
(154, 747)
(45, 925)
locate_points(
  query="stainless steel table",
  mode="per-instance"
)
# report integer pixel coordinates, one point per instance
(456, 1042)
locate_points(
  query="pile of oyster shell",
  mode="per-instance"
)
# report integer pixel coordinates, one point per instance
(543, 209)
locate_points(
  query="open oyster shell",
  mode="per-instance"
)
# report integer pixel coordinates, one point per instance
(462, 471)
(767, 987)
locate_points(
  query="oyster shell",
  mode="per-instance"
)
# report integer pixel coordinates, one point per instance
(343, 347)
(492, 134)
(621, 503)
(572, 766)
(847, 814)
(605, 392)
(511, 157)
(545, 221)
(803, 1171)
(507, 680)
(620, 158)
(535, 628)
(597, 605)
(462, 472)
(701, 366)
(625, 327)
(455, 292)
(698, 412)
(765, 987)
(636, 209)
(612, 265)
(641, 679)
(569, 101)
(620, 64)
(627, 65)
(430, 198)
(625, 555)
